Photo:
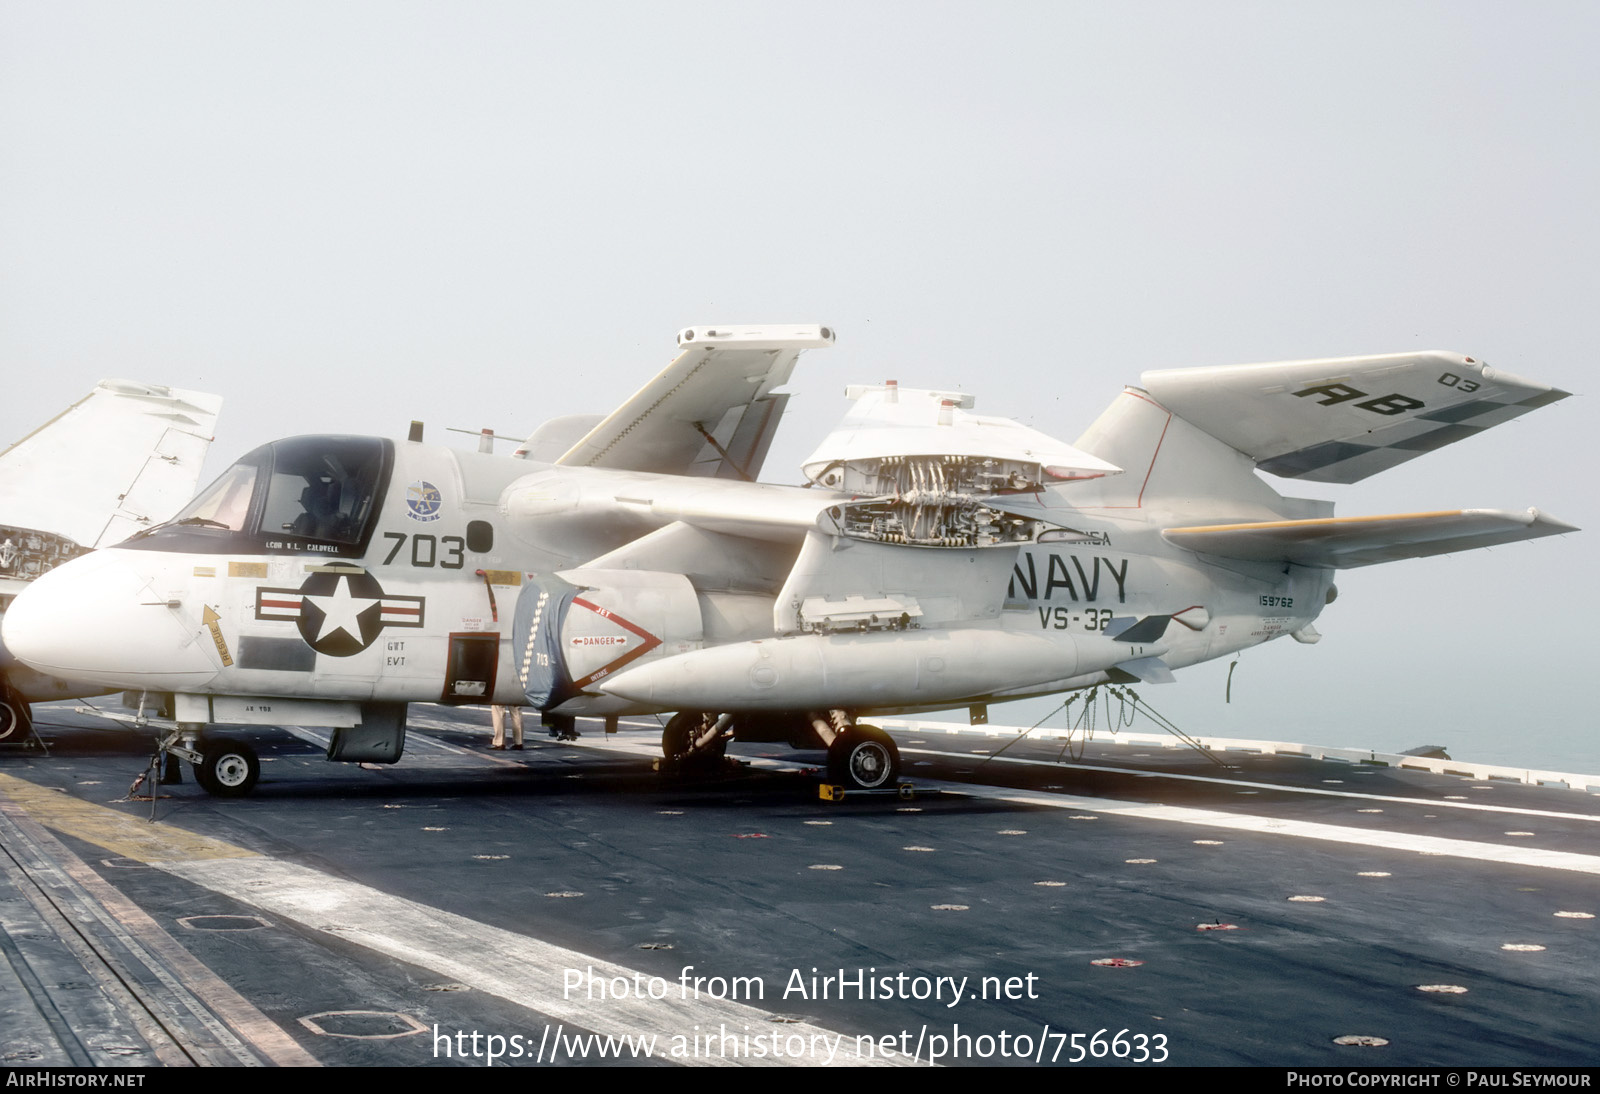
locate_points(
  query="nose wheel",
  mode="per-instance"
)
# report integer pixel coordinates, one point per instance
(227, 769)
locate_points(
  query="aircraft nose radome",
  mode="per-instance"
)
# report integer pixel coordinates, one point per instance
(96, 619)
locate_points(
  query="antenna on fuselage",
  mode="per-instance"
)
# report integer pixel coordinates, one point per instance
(415, 436)
(486, 437)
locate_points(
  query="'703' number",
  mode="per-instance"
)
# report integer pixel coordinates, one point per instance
(426, 550)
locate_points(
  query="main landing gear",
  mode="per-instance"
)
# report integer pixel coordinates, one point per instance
(860, 756)
(864, 757)
(16, 721)
(695, 742)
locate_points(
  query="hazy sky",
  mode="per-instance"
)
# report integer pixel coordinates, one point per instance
(341, 216)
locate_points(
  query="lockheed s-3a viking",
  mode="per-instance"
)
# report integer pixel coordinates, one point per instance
(626, 565)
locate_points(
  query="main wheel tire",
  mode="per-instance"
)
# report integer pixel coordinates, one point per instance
(228, 769)
(15, 718)
(678, 738)
(864, 757)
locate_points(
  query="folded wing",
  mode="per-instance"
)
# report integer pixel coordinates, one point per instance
(711, 412)
(1346, 418)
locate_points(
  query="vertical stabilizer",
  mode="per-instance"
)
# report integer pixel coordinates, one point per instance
(1171, 463)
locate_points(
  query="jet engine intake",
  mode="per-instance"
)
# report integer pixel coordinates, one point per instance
(575, 628)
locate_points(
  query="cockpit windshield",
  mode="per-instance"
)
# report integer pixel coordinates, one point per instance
(301, 494)
(225, 503)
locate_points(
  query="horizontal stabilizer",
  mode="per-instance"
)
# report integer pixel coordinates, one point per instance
(1346, 418)
(711, 412)
(1348, 542)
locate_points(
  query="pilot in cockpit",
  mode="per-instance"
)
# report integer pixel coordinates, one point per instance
(320, 518)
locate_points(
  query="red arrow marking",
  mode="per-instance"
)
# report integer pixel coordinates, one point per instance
(650, 642)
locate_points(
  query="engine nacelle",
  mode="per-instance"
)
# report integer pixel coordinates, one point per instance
(878, 671)
(577, 627)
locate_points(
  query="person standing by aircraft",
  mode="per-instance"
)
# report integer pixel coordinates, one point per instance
(498, 713)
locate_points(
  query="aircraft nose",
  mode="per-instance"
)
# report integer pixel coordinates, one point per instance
(97, 619)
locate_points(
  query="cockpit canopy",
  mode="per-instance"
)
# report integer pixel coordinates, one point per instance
(318, 493)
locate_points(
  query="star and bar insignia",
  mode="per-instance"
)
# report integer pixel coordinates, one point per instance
(339, 612)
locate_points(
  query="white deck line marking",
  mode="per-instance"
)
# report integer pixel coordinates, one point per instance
(523, 970)
(321, 738)
(1482, 807)
(640, 748)
(1242, 822)
(203, 1005)
(1343, 755)
(414, 735)
(310, 736)
(420, 740)
(1273, 826)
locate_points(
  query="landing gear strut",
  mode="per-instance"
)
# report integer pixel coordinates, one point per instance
(223, 768)
(694, 742)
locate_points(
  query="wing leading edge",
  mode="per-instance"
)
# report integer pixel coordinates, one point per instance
(1347, 542)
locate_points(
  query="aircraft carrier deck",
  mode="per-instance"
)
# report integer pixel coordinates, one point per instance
(1131, 905)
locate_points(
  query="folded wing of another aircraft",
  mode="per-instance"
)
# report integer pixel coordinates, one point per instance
(711, 412)
(124, 457)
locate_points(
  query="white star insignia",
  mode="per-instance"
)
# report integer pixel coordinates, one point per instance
(341, 611)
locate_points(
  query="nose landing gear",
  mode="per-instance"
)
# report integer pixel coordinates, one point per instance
(224, 768)
(228, 769)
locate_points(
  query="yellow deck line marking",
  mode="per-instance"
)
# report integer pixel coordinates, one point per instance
(190, 984)
(523, 970)
(117, 832)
